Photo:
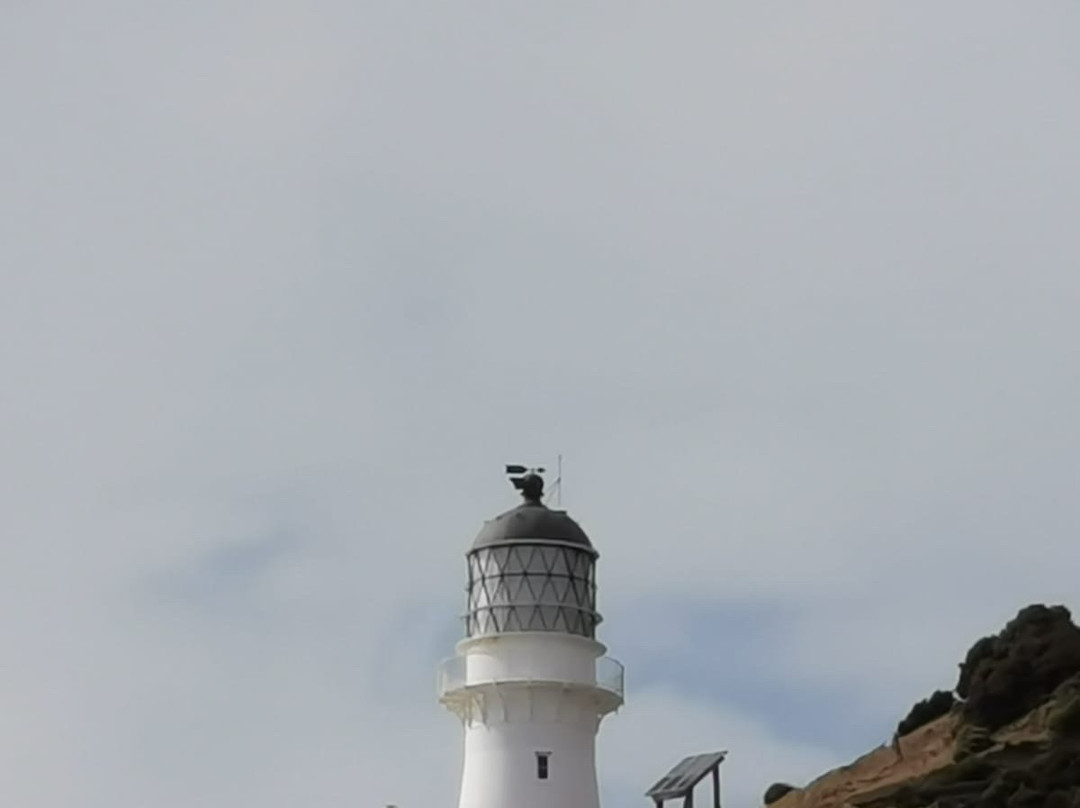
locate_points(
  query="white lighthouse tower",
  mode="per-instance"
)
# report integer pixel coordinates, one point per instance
(529, 681)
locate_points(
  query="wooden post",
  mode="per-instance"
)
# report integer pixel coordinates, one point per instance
(689, 801)
(716, 786)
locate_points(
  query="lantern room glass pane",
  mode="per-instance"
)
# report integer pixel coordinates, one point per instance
(549, 556)
(514, 565)
(560, 588)
(534, 561)
(559, 564)
(546, 618)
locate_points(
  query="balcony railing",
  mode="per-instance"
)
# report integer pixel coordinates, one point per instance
(610, 675)
(452, 677)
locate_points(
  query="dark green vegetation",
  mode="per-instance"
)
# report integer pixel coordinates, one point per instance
(926, 711)
(776, 791)
(1065, 722)
(1007, 675)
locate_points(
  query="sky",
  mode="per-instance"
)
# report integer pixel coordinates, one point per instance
(792, 287)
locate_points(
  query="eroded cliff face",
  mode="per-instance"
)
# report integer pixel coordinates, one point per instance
(927, 749)
(1012, 740)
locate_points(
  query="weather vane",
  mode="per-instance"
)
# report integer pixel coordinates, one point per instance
(530, 482)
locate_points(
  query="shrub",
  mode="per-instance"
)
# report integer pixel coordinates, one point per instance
(926, 711)
(776, 791)
(1066, 720)
(1006, 676)
(1060, 799)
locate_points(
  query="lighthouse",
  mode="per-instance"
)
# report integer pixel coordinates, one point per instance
(529, 681)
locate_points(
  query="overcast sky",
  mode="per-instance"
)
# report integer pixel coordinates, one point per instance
(792, 286)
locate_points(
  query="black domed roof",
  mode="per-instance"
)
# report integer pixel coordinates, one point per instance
(531, 520)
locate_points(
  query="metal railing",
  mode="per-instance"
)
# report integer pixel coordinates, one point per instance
(610, 675)
(450, 675)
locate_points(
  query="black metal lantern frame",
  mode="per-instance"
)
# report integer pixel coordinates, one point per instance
(532, 586)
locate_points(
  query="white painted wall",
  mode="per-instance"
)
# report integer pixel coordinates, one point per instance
(500, 768)
(523, 694)
(536, 655)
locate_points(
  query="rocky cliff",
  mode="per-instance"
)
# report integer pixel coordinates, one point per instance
(1007, 736)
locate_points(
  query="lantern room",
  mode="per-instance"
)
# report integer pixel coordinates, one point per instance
(532, 569)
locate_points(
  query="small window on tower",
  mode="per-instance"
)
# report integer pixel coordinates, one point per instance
(542, 765)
